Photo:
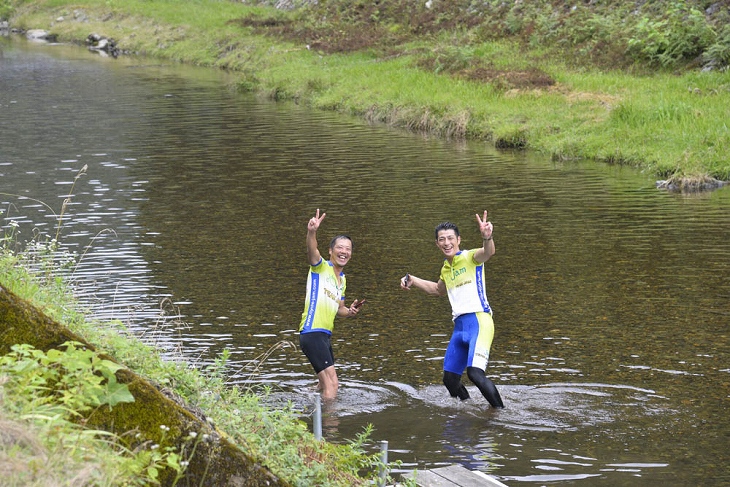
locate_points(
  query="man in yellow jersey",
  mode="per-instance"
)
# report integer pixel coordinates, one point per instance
(325, 300)
(462, 278)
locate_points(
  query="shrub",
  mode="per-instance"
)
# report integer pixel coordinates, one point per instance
(718, 54)
(5, 9)
(680, 35)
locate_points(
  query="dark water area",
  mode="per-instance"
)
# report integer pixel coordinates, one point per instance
(611, 298)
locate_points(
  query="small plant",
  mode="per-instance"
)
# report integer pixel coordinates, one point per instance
(9, 235)
(447, 59)
(46, 395)
(41, 252)
(681, 35)
(718, 54)
(74, 380)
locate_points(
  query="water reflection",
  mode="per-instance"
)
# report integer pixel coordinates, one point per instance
(610, 297)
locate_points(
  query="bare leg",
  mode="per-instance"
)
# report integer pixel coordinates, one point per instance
(328, 383)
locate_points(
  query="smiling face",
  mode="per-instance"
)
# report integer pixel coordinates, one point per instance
(448, 241)
(341, 251)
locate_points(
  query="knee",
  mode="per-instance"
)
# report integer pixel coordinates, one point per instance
(452, 381)
(485, 385)
(476, 375)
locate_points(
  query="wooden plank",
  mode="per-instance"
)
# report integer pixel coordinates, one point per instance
(490, 481)
(427, 478)
(460, 476)
(454, 476)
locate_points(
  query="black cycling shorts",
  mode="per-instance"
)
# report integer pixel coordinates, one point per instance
(317, 346)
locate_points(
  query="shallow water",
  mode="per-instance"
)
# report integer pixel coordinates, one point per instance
(611, 297)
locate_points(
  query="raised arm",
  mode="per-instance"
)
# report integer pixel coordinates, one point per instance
(485, 228)
(313, 254)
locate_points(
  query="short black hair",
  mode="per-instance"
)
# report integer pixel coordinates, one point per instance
(446, 226)
(337, 237)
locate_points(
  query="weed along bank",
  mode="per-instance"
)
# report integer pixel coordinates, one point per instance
(157, 416)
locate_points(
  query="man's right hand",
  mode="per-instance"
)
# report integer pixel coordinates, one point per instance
(315, 221)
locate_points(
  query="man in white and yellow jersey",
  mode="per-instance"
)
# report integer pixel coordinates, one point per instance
(325, 300)
(462, 278)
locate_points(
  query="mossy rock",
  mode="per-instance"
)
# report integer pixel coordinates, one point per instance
(216, 462)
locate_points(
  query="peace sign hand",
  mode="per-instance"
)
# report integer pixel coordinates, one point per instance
(485, 227)
(315, 221)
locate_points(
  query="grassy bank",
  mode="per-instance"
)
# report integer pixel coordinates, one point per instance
(620, 83)
(44, 443)
(45, 396)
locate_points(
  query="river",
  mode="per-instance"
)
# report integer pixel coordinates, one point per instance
(611, 297)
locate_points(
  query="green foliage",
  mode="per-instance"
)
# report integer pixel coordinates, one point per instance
(276, 434)
(44, 396)
(6, 9)
(611, 34)
(75, 380)
(718, 54)
(447, 59)
(681, 34)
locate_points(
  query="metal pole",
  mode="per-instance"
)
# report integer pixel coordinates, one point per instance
(317, 416)
(383, 467)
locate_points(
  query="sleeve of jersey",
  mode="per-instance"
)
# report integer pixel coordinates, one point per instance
(318, 266)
